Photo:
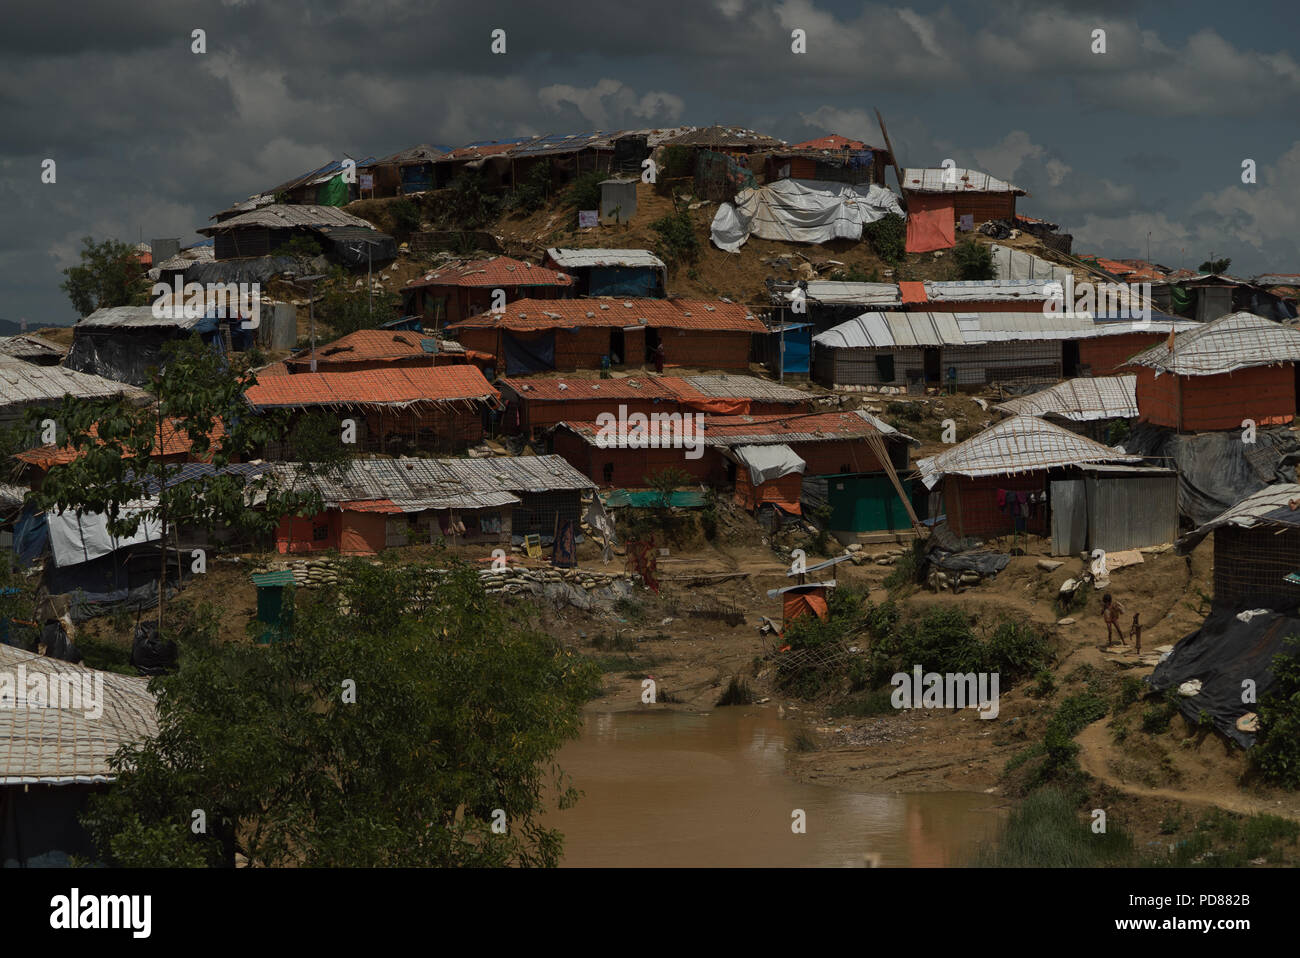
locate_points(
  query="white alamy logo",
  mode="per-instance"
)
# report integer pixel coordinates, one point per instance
(74, 691)
(1124, 300)
(950, 690)
(195, 300)
(74, 911)
(656, 431)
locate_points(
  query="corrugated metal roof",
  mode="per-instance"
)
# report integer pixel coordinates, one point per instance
(581, 258)
(418, 484)
(986, 289)
(896, 330)
(45, 745)
(1235, 341)
(286, 216)
(732, 387)
(1276, 279)
(402, 386)
(412, 156)
(834, 293)
(1270, 506)
(764, 430)
(484, 148)
(134, 317)
(552, 144)
(495, 271)
(1017, 445)
(29, 346)
(1080, 400)
(662, 313)
(22, 382)
(951, 180)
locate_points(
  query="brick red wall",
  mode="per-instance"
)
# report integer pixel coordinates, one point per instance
(972, 505)
(1265, 394)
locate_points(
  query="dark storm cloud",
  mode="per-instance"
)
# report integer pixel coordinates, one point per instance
(150, 138)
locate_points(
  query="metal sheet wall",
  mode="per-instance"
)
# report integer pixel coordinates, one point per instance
(1131, 512)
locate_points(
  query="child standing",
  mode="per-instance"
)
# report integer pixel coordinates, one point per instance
(1111, 610)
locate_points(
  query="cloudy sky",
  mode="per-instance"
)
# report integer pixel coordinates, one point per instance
(1148, 137)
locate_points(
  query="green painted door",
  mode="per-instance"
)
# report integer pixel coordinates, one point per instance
(866, 504)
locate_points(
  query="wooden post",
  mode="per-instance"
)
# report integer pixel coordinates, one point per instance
(898, 170)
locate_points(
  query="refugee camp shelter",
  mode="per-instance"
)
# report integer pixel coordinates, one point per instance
(829, 158)
(936, 199)
(377, 504)
(977, 296)
(1256, 550)
(1113, 507)
(1239, 367)
(1086, 405)
(968, 350)
(264, 230)
(489, 160)
(378, 349)
(827, 303)
(540, 335)
(612, 272)
(55, 753)
(403, 173)
(24, 386)
(623, 454)
(534, 404)
(1118, 338)
(31, 348)
(996, 483)
(428, 409)
(457, 291)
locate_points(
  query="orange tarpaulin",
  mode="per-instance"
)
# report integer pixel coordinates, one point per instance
(719, 407)
(930, 222)
(805, 603)
(912, 292)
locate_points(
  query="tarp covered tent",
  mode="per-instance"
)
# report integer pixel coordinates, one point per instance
(357, 247)
(768, 462)
(1221, 654)
(930, 222)
(1216, 469)
(82, 537)
(801, 211)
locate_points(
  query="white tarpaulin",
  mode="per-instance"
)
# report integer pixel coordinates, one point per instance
(80, 538)
(801, 211)
(768, 462)
(1011, 264)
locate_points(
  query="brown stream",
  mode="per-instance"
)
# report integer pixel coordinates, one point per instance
(664, 788)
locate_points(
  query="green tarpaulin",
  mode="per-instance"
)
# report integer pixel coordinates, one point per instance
(333, 192)
(650, 499)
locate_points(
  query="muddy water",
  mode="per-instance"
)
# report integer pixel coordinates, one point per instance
(663, 788)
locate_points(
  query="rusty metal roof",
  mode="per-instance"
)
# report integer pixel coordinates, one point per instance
(494, 271)
(373, 387)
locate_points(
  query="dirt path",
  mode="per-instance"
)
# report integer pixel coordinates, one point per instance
(1093, 758)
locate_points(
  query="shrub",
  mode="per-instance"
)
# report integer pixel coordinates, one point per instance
(1015, 650)
(1276, 754)
(584, 192)
(530, 195)
(406, 216)
(974, 260)
(677, 240)
(888, 237)
(737, 692)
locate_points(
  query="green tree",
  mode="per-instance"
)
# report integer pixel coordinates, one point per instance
(347, 309)
(1215, 265)
(888, 237)
(1276, 754)
(459, 710)
(974, 260)
(677, 240)
(666, 482)
(199, 398)
(110, 274)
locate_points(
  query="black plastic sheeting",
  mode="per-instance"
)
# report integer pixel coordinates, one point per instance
(1223, 653)
(1216, 470)
(533, 355)
(256, 269)
(128, 577)
(985, 563)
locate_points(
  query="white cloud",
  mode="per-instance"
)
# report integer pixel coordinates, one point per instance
(609, 104)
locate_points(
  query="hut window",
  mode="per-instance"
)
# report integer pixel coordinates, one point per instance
(320, 533)
(885, 367)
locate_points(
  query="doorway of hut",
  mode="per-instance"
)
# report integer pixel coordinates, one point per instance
(617, 354)
(933, 366)
(651, 344)
(1070, 357)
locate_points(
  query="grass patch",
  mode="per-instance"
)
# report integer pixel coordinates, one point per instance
(737, 692)
(1047, 832)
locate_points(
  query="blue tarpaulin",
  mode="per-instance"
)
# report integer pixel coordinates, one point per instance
(31, 533)
(798, 348)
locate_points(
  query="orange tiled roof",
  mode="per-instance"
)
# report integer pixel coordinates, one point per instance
(496, 271)
(366, 387)
(525, 314)
(573, 390)
(832, 142)
(174, 442)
